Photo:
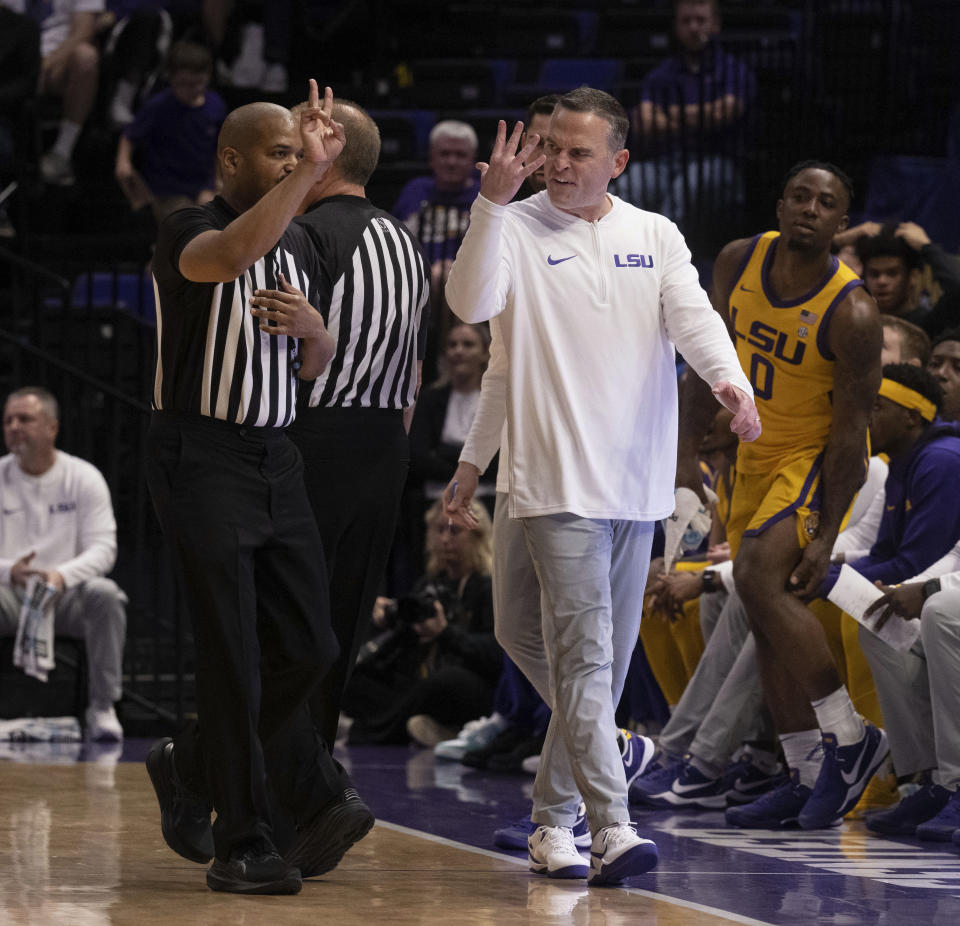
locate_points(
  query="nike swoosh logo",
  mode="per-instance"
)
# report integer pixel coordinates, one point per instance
(744, 288)
(678, 788)
(850, 777)
(559, 260)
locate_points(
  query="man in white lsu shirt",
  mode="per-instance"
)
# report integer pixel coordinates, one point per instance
(58, 523)
(592, 295)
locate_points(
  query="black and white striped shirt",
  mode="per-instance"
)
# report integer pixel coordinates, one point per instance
(212, 357)
(375, 289)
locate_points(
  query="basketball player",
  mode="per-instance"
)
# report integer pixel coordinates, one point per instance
(808, 337)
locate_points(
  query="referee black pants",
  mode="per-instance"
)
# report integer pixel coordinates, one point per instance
(234, 512)
(355, 467)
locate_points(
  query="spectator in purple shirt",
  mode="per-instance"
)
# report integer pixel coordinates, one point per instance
(173, 139)
(688, 126)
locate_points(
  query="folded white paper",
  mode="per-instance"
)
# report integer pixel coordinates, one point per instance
(853, 594)
(690, 522)
(33, 647)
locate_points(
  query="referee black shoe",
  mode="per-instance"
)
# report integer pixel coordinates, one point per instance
(184, 817)
(257, 869)
(323, 842)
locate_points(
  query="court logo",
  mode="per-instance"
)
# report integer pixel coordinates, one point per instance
(633, 260)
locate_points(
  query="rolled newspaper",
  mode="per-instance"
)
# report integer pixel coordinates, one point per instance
(33, 646)
(686, 528)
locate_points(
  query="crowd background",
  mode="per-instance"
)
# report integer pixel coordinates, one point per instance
(870, 85)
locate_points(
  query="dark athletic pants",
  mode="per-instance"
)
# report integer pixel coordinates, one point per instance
(355, 466)
(233, 509)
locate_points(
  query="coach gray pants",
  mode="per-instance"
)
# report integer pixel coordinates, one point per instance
(592, 574)
(516, 600)
(722, 704)
(93, 611)
(919, 691)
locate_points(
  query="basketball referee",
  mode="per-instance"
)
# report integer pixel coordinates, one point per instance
(227, 483)
(353, 435)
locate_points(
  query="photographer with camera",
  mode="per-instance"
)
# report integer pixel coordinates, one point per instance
(433, 661)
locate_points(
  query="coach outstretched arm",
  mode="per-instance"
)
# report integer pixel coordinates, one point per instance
(698, 403)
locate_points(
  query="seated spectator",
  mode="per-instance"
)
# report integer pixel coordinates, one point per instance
(264, 45)
(944, 364)
(173, 139)
(441, 421)
(70, 68)
(921, 702)
(19, 68)
(892, 258)
(688, 127)
(903, 342)
(445, 412)
(58, 524)
(437, 210)
(135, 52)
(436, 662)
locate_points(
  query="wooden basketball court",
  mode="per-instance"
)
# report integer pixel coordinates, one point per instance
(80, 845)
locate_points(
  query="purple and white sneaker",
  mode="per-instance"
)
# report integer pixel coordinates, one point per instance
(844, 775)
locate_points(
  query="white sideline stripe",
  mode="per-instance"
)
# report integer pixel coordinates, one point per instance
(500, 856)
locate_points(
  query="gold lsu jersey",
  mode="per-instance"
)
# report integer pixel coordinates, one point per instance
(783, 348)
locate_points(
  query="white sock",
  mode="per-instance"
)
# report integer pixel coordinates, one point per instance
(67, 138)
(804, 754)
(837, 715)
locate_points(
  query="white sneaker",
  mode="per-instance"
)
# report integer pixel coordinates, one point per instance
(551, 851)
(618, 852)
(475, 735)
(425, 731)
(55, 169)
(249, 67)
(103, 726)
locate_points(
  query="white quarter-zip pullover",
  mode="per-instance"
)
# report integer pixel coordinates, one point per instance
(590, 313)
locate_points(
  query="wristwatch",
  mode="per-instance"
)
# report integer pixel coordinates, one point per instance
(710, 582)
(930, 587)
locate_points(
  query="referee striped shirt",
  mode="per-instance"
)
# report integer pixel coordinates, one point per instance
(212, 357)
(375, 289)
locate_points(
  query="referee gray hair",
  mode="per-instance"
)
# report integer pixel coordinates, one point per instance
(360, 154)
(455, 130)
(48, 401)
(600, 103)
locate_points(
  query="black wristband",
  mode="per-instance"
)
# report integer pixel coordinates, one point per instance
(710, 582)
(930, 587)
